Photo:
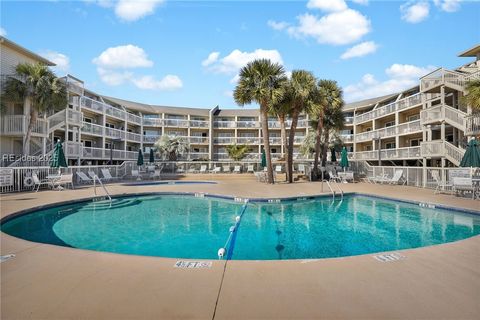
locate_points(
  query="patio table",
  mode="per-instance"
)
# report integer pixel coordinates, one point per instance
(52, 178)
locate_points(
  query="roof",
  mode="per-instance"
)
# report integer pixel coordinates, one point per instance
(472, 52)
(28, 53)
(368, 102)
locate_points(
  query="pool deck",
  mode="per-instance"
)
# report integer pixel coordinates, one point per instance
(50, 282)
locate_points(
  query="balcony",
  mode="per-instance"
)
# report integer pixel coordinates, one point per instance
(401, 129)
(93, 129)
(114, 112)
(198, 140)
(199, 124)
(18, 124)
(443, 112)
(224, 140)
(150, 138)
(473, 125)
(100, 153)
(153, 122)
(114, 133)
(390, 108)
(348, 121)
(390, 154)
(441, 76)
(224, 124)
(135, 137)
(198, 155)
(176, 123)
(133, 118)
(248, 140)
(248, 124)
(347, 138)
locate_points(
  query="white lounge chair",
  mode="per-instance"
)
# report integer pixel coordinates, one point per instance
(301, 168)
(155, 174)
(217, 170)
(250, 169)
(378, 179)
(106, 175)
(65, 180)
(203, 169)
(237, 169)
(92, 174)
(441, 185)
(83, 177)
(334, 177)
(226, 169)
(463, 185)
(397, 177)
(136, 174)
(37, 182)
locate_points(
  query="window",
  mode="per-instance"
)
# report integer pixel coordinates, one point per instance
(87, 143)
(413, 117)
(389, 124)
(88, 120)
(109, 125)
(390, 145)
(414, 142)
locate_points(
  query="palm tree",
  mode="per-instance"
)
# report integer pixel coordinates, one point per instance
(300, 89)
(34, 84)
(281, 110)
(333, 121)
(237, 152)
(172, 147)
(472, 98)
(261, 82)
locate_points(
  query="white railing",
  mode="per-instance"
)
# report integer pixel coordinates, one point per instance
(248, 124)
(472, 125)
(443, 76)
(248, 140)
(444, 112)
(114, 112)
(347, 138)
(175, 123)
(91, 128)
(56, 120)
(224, 140)
(453, 153)
(134, 136)
(390, 108)
(134, 118)
(198, 140)
(389, 154)
(199, 124)
(198, 155)
(442, 149)
(224, 124)
(151, 139)
(73, 149)
(74, 117)
(92, 104)
(18, 124)
(114, 133)
(153, 122)
(403, 128)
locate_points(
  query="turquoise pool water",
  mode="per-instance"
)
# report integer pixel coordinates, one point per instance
(181, 226)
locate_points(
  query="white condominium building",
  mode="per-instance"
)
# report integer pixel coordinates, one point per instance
(425, 124)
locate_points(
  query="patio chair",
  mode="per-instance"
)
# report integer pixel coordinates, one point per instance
(441, 186)
(237, 169)
(334, 177)
(91, 174)
(37, 183)
(150, 168)
(261, 176)
(250, 169)
(106, 175)
(155, 174)
(278, 169)
(83, 177)
(65, 180)
(397, 177)
(217, 170)
(203, 169)
(226, 169)
(301, 168)
(463, 185)
(136, 174)
(379, 179)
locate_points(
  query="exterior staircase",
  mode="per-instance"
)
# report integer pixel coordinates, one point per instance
(439, 148)
(443, 112)
(452, 79)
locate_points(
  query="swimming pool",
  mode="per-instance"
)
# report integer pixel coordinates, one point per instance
(152, 183)
(186, 226)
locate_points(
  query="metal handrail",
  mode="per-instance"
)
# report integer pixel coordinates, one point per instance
(331, 190)
(339, 189)
(95, 178)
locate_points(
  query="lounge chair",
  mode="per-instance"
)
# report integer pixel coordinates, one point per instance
(226, 169)
(301, 168)
(203, 169)
(378, 179)
(250, 169)
(217, 170)
(155, 174)
(278, 169)
(397, 177)
(136, 174)
(237, 169)
(463, 185)
(106, 175)
(37, 182)
(334, 177)
(441, 186)
(65, 180)
(84, 178)
(92, 174)
(150, 168)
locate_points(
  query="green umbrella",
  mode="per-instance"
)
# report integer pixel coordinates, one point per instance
(140, 158)
(152, 157)
(344, 160)
(58, 157)
(471, 158)
(264, 159)
(334, 156)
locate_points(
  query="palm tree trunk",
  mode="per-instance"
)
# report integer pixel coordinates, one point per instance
(283, 133)
(266, 143)
(325, 148)
(318, 141)
(291, 138)
(31, 124)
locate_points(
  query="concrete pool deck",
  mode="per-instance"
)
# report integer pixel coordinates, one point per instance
(50, 282)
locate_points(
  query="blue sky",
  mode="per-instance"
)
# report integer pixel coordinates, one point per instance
(183, 53)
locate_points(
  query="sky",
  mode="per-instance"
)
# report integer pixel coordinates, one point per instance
(189, 53)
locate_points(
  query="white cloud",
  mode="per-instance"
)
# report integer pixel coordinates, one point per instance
(448, 5)
(212, 57)
(337, 28)
(128, 56)
(228, 93)
(360, 50)
(169, 82)
(3, 32)
(400, 77)
(233, 62)
(277, 25)
(364, 2)
(113, 77)
(132, 10)
(327, 5)
(62, 61)
(129, 10)
(415, 12)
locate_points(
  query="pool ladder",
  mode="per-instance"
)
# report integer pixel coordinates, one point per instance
(333, 191)
(95, 179)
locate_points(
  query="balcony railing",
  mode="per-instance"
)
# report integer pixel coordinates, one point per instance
(90, 128)
(134, 137)
(224, 124)
(390, 108)
(153, 122)
(100, 153)
(198, 140)
(134, 118)
(390, 154)
(150, 138)
(178, 123)
(18, 124)
(404, 128)
(443, 76)
(114, 133)
(248, 124)
(199, 124)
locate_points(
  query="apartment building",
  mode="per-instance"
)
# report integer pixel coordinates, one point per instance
(424, 125)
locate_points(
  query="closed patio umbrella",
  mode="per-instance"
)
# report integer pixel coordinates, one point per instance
(264, 159)
(334, 156)
(152, 157)
(58, 157)
(471, 158)
(344, 159)
(140, 158)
